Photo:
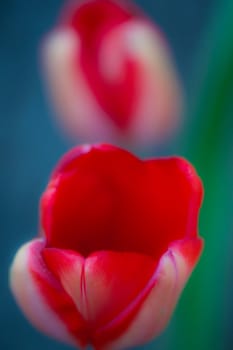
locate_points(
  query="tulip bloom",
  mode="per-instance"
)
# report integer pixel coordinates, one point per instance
(118, 241)
(110, 74)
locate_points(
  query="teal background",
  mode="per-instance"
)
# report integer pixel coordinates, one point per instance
(30, 145)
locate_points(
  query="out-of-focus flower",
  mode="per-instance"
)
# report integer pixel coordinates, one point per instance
(118, 242)
(110, 74)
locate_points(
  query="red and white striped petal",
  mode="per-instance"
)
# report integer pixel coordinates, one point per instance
(173, 272)
(116, 82)
(122, 299)
(158, 105)
(30, 298)
(78, 111)
(104, 284)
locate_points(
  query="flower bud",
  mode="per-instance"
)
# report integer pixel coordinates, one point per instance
(118, 242)
(110, 75)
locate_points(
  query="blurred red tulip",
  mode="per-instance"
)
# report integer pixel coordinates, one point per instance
(118, 242)
(110, 74)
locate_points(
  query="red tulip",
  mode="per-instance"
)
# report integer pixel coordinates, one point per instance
(110, 73)
(118, 241)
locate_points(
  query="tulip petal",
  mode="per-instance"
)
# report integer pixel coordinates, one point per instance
(173, 271)
(133, 205)
(92, 282)
(42, 298)
(144, 293)
(177, 191)
(66, 80)
(188, 251)
(110, 74)
(142, 46)
(93, 21)
(68, 268)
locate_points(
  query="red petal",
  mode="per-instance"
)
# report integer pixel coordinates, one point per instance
(105, 286)
(178, 192)
(27, 293)
(89, 201)
(94, 21)
(54, 295)
(104, 198)
(173, 271)
(190, 249)
(124, 299)
(121, 278)
(93, 18)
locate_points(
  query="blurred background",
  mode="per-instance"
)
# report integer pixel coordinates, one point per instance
(31, 145)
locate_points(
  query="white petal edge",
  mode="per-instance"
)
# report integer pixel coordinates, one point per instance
(79, 113)
(158, 110)
(30, 301)
(156, 311)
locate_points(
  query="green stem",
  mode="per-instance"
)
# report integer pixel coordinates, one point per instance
(199, 315)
